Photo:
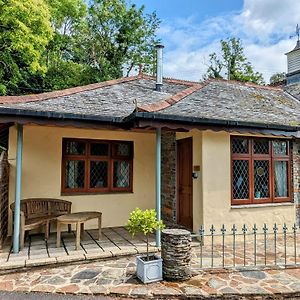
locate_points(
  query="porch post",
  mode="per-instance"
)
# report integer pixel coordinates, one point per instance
(16, 236)
(158, 181)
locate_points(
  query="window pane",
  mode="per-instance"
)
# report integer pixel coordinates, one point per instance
(121, 174)
(261, 146)
(75, 148)
(240, 146)
(261, 179)
(99, 149)
(281, 178)
(75, 170)
(280, 147)
(123, 149)
(240, 179)
(99, 174)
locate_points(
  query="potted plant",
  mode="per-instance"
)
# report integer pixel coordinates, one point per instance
(149, 267)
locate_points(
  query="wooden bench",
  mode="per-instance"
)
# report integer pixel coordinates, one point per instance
(36, 212)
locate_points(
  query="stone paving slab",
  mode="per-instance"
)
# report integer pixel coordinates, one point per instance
(116, 277)
(38, 252)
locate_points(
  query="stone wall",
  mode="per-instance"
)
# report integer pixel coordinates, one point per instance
(296, 178)
(168, 176)
(176, 254)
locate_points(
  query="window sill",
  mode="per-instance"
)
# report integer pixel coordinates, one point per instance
(96, 193)
(262, 205)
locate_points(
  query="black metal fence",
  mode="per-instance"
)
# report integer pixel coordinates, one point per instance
(246, 246)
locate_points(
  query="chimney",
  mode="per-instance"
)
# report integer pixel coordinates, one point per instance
(159, 67)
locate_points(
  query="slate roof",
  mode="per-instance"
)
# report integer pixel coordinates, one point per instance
(115, 98)
(235, 101)
(293, 90)
(135, 97)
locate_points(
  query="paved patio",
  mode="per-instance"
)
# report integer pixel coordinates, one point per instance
(107, 267)
(116, 277)
(114, 242)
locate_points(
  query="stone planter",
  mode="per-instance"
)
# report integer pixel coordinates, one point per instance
(149, 271)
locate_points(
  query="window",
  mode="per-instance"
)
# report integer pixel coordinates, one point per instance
(261, 170)
(93, 166)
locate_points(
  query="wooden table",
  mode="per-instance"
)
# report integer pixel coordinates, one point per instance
(78, 218)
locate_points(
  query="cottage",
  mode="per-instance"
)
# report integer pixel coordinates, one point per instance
(201, 153)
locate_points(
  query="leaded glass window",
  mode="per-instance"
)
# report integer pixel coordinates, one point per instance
(261, 179)
(260, 146)
(281, 178)
(98, 174)
(260, 170)
(280, 147)
(121, 174)
(240, 145)
(75, 148)
(240, 179)
(75, 170)
(97, 166)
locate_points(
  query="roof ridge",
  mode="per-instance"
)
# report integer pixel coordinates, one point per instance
(173, 80)
(154, 107)
(249, 84)
(65, 92)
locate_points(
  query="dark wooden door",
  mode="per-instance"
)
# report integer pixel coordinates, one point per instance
(185, 182)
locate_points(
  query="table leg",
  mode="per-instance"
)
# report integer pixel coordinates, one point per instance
(47, 230)
(99, 227)
(82, 229)
(77, 245)
(58, 234)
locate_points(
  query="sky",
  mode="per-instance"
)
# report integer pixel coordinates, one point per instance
(191, 30)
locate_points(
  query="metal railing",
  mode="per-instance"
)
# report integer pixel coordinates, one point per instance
(246, 246)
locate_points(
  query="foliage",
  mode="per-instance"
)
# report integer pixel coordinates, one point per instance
(234, 61)
(277, 77)
(117, 35)
(63, 71)
(144, 222)
(25, 31)
(55, 44)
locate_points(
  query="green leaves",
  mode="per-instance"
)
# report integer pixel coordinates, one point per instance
(277, 77)
(25, 31)
(143, 221)
(55, 44)
(234, 62)
(118, 36)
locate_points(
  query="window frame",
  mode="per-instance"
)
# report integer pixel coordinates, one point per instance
(271, 157)
(88, 158)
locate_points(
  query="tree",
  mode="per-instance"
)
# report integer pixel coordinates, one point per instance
(55, 44)
(25, 31)
(233, 60)
(63, 71)
(144, 221)
(277, 77)
(117, 36)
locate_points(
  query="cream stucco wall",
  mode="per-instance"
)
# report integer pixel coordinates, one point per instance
(212, 190)
(41, 177)
(217, 189)
(41, 171)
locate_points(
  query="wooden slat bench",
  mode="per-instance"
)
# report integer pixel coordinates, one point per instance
(36, 212)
